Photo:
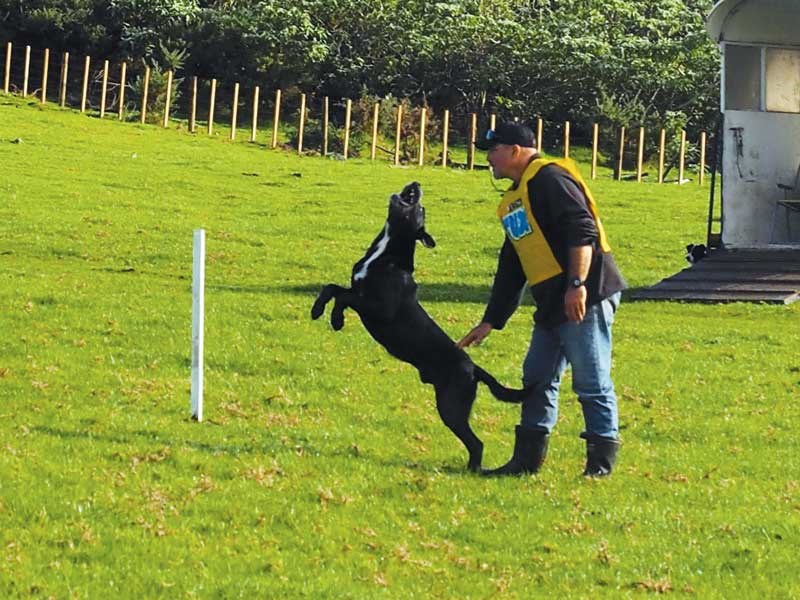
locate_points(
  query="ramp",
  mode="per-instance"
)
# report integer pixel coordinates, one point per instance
(771, 276)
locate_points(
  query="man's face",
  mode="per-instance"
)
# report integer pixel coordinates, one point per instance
(500, 158)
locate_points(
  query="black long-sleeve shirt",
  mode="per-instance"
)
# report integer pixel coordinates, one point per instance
(562, 211)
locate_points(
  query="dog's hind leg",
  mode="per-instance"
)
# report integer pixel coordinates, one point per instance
(329, 291)
(454, 403)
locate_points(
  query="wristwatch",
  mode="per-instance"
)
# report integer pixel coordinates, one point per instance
(576, 282)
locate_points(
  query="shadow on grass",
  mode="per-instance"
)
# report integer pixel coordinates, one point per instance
(267, 449)
(432, 292)
(631, 295)
(130, 437)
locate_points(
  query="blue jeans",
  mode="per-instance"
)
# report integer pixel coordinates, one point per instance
(586, 346)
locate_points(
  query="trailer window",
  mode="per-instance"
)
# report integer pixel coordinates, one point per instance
(742, 77)
(783, 80)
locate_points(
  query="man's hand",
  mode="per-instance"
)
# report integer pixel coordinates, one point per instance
(575, 303)
(476, 336)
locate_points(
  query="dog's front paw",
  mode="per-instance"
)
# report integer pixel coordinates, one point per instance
(318, 308)
(337, 320)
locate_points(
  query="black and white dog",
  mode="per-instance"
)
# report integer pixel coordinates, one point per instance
(384, 294)
(696, 252)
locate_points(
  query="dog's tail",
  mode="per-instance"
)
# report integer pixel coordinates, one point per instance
(498, 390)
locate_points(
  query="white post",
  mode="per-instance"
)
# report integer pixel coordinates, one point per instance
(198, 308)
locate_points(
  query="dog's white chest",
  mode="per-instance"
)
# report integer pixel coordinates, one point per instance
(374, 253)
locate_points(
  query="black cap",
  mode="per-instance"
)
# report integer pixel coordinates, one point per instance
(510, 133)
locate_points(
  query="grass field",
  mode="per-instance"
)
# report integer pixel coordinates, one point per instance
(322, 469)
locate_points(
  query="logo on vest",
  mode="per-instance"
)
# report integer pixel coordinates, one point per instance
(516, 221)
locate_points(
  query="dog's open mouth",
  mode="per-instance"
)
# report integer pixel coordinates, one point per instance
(411, 194)
(403, 203)
(407, 213)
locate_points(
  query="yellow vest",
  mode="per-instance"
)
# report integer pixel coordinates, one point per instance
(516, 216)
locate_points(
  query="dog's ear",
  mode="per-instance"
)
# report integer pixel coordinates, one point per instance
(427, 239)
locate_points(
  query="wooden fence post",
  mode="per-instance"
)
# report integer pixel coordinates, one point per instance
(398, 131)
(104, 90)
(539, 132)
(193, 109)
(422, 115)
(26, 71)
(254, 126)
(168, 98)
(145, 91)
(621, 153)
(595, 139)
(123, 72)
(235, 110)
(86, 66)
(7, 79)
(682, 158)
(662, 142)
(64, 73)
(473, 133)
(375, 113)
(701, 175)
(302, 123)
(211, 103)
(347, 111)
(276, 117)
(325, 115)
(45, 72)
(640, 156)
(566, 139)
(445, 136)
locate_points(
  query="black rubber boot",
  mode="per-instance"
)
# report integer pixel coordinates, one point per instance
(530, 449)
(601, 454)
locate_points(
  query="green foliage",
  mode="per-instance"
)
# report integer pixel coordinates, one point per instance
(152, 29)
(322, 469)
(57, 24)
(157, 86)
(267, 42)
(658, 68)
(618, 62)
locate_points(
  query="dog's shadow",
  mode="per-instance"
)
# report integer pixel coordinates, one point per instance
(461, 293)
(422, 466)
(267, 445)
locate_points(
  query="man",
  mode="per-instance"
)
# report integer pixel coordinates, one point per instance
(555, 243)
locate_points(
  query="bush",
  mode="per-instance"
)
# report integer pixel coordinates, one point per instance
(617, 62)
(157, 88)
